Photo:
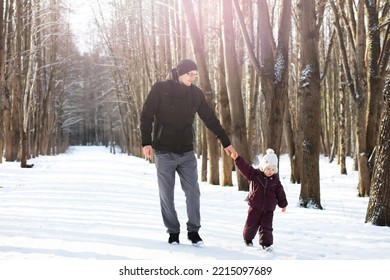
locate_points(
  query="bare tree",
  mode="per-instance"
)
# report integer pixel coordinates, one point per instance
(357, 86)
(364, 72)
(197, 43)
(342, 126)
(310, 98)
(28, 81)
(10, 148)
(378, 210)
(224, 109)
(239, 133)
(2, 80)
(375, 77)
(272, 66)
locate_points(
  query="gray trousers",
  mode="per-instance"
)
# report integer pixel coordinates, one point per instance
(185, 165)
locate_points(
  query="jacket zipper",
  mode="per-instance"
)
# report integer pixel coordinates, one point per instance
(265, 191)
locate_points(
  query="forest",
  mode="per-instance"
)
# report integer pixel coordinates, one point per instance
(303, 77)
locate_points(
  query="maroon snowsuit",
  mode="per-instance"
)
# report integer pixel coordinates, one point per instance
(264, 194)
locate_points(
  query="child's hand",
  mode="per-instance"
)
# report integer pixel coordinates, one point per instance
(234, 155)
(284, 209)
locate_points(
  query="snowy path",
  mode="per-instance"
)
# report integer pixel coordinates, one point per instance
(90, 204)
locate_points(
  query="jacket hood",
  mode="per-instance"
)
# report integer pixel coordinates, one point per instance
(172, 75)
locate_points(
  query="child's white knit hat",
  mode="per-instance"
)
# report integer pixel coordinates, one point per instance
(269, 159)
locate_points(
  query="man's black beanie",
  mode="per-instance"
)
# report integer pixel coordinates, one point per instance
(185, 66)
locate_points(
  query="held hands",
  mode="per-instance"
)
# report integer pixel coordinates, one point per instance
(230, 151)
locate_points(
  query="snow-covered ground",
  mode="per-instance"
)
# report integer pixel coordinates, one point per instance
(89, 204)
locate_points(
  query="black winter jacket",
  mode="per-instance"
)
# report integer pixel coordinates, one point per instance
(169, 110)
(265, 192)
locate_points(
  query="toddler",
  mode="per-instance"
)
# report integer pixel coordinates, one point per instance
(265, 192)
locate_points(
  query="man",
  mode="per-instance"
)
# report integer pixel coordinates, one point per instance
(170, 109)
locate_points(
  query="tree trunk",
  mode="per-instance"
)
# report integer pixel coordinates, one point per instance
(280, 81)
(2, 74)
(295, 150)
(239, 135)
(251, 79)
(29, 79)
(273, 70)
(342, 131)
(374, 81)
(267, 62)
(357, 88)
(8, 152)
(336, 115)
(378, 210)
(361, 101)
(226, 121)
(289, 134)
(197, 43)
(310, 106)
(17, 87)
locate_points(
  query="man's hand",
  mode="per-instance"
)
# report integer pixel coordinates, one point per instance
(230, 151)
(148, 151)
